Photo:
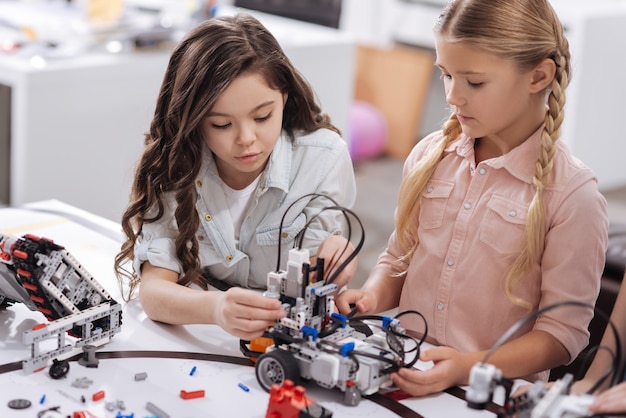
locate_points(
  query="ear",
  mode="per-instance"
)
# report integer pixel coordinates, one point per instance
(542, 75)
(285, 97)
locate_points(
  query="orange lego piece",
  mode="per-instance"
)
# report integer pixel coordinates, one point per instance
(192, 395)
(97, 396)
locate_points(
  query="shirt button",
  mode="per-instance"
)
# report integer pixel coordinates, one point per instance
(467, 205)
(450, 262)
(284, 235)
(208, 217)
(199, 183)
(200, 237)
(482, 170)
(229, 258)
(440, 306)
(512, 213)
(429, 190)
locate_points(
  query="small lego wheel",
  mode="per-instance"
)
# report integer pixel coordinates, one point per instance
(274, 367)
(59, 369)
(19, 404)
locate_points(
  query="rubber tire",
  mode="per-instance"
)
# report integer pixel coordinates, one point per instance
(274, 367)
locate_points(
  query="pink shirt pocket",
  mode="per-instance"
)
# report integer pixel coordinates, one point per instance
(434, 202)
(503, 226)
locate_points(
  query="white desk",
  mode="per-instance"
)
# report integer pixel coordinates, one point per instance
(77, 124)
(93, 241)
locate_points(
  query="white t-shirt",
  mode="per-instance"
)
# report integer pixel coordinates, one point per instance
(238, 203)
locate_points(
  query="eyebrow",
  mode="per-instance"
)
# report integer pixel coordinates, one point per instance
(467, 72)
(262, 105)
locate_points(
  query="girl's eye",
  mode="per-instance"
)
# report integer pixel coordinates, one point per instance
(264, 118)
(474, 84)
(445, 76)
(216, 126)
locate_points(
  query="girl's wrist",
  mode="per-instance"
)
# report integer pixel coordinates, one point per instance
(211, 305)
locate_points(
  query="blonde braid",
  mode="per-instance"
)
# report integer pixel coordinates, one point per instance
(413, 185)
(535, 225)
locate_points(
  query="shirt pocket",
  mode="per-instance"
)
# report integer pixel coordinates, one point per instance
(435, 199)
(504, 225)
(269, 234)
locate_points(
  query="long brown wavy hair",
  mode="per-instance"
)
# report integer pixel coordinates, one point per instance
(524, 32)
(200, 68)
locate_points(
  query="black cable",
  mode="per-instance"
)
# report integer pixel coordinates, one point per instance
(411, 311)
(354, 253)
(523, 321)
(391, 332)
(588, 361)
(282, 219)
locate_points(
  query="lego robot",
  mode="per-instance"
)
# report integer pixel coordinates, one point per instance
(314, 343)
(541, 401)
(538, 402)
(45, 277)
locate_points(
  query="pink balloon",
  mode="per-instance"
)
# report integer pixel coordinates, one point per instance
(368, 131)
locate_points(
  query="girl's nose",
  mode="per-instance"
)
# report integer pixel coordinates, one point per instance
(247, 134)
(453, 96)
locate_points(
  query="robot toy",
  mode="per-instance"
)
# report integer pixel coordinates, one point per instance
(313, 343)
(45, 277)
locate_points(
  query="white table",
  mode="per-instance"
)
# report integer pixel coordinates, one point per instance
(174, 350)
(77, 124)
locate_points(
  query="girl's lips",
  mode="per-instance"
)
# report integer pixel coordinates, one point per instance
(248, 157)
(462, 118)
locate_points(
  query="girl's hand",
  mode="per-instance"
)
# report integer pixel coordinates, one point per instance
(611, 400)
(365, 301)
(450, 369)
(245, 313)
(335, 249)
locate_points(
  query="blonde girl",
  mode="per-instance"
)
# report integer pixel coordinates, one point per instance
(495, 217)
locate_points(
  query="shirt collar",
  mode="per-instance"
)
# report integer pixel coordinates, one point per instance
(279, 165)
(520, 161)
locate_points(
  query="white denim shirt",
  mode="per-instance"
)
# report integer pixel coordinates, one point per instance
(314, 163)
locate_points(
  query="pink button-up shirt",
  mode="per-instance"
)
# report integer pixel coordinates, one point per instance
(471, 227)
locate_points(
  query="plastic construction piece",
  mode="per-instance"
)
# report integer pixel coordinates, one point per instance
(82, 382)
(243, 387)
(50, 412)
(88, 358)
(156, 411)
(19, 404)
(538, 402)
(193, 371)
(45, 277)
(290, 401)
(59, 369)
(313, 343)
(81, 400)
(112, 406)
(191, 395)
(97, 396)
(141, 376)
